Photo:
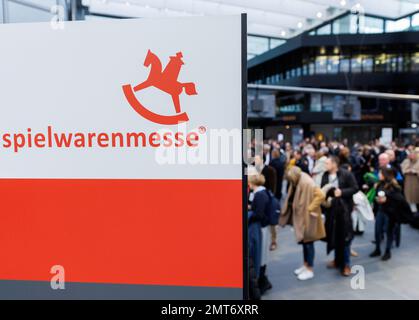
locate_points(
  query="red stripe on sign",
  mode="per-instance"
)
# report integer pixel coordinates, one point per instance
(163, 232)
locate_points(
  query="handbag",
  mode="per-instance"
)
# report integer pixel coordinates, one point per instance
(314, 229)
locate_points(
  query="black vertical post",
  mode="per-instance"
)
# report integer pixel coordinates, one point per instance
(244, 176)
(76, 10)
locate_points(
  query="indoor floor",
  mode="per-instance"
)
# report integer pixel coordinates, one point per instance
(397, 278)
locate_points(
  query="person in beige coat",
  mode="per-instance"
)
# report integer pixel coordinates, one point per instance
(410, 169)
(302, 211)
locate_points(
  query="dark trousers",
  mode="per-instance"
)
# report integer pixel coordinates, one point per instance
(382, 226)
(346, 255)
(309, 253)
(255, 245)
(397, 234)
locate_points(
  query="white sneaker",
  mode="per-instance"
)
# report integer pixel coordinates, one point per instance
(306, 275)
(299, 270)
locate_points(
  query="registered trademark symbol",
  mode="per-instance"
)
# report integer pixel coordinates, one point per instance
(202, 129)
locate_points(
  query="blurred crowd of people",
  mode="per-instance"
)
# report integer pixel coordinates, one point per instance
(328, 191)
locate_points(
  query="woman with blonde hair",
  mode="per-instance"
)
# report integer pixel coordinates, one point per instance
(302, 211)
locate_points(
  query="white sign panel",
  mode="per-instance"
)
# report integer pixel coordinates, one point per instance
(67, 107)
(120, 151)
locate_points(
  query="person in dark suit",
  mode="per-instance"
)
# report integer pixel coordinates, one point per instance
(278, 162)
(339, 185)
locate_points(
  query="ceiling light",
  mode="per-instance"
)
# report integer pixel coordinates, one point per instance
(319, 14)
(343, 3)
(300, 25)
(283, 33)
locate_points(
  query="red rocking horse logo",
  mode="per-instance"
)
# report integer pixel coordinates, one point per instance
(165, 80)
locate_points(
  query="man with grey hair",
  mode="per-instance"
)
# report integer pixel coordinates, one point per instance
(384, 160)
(310, 154)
